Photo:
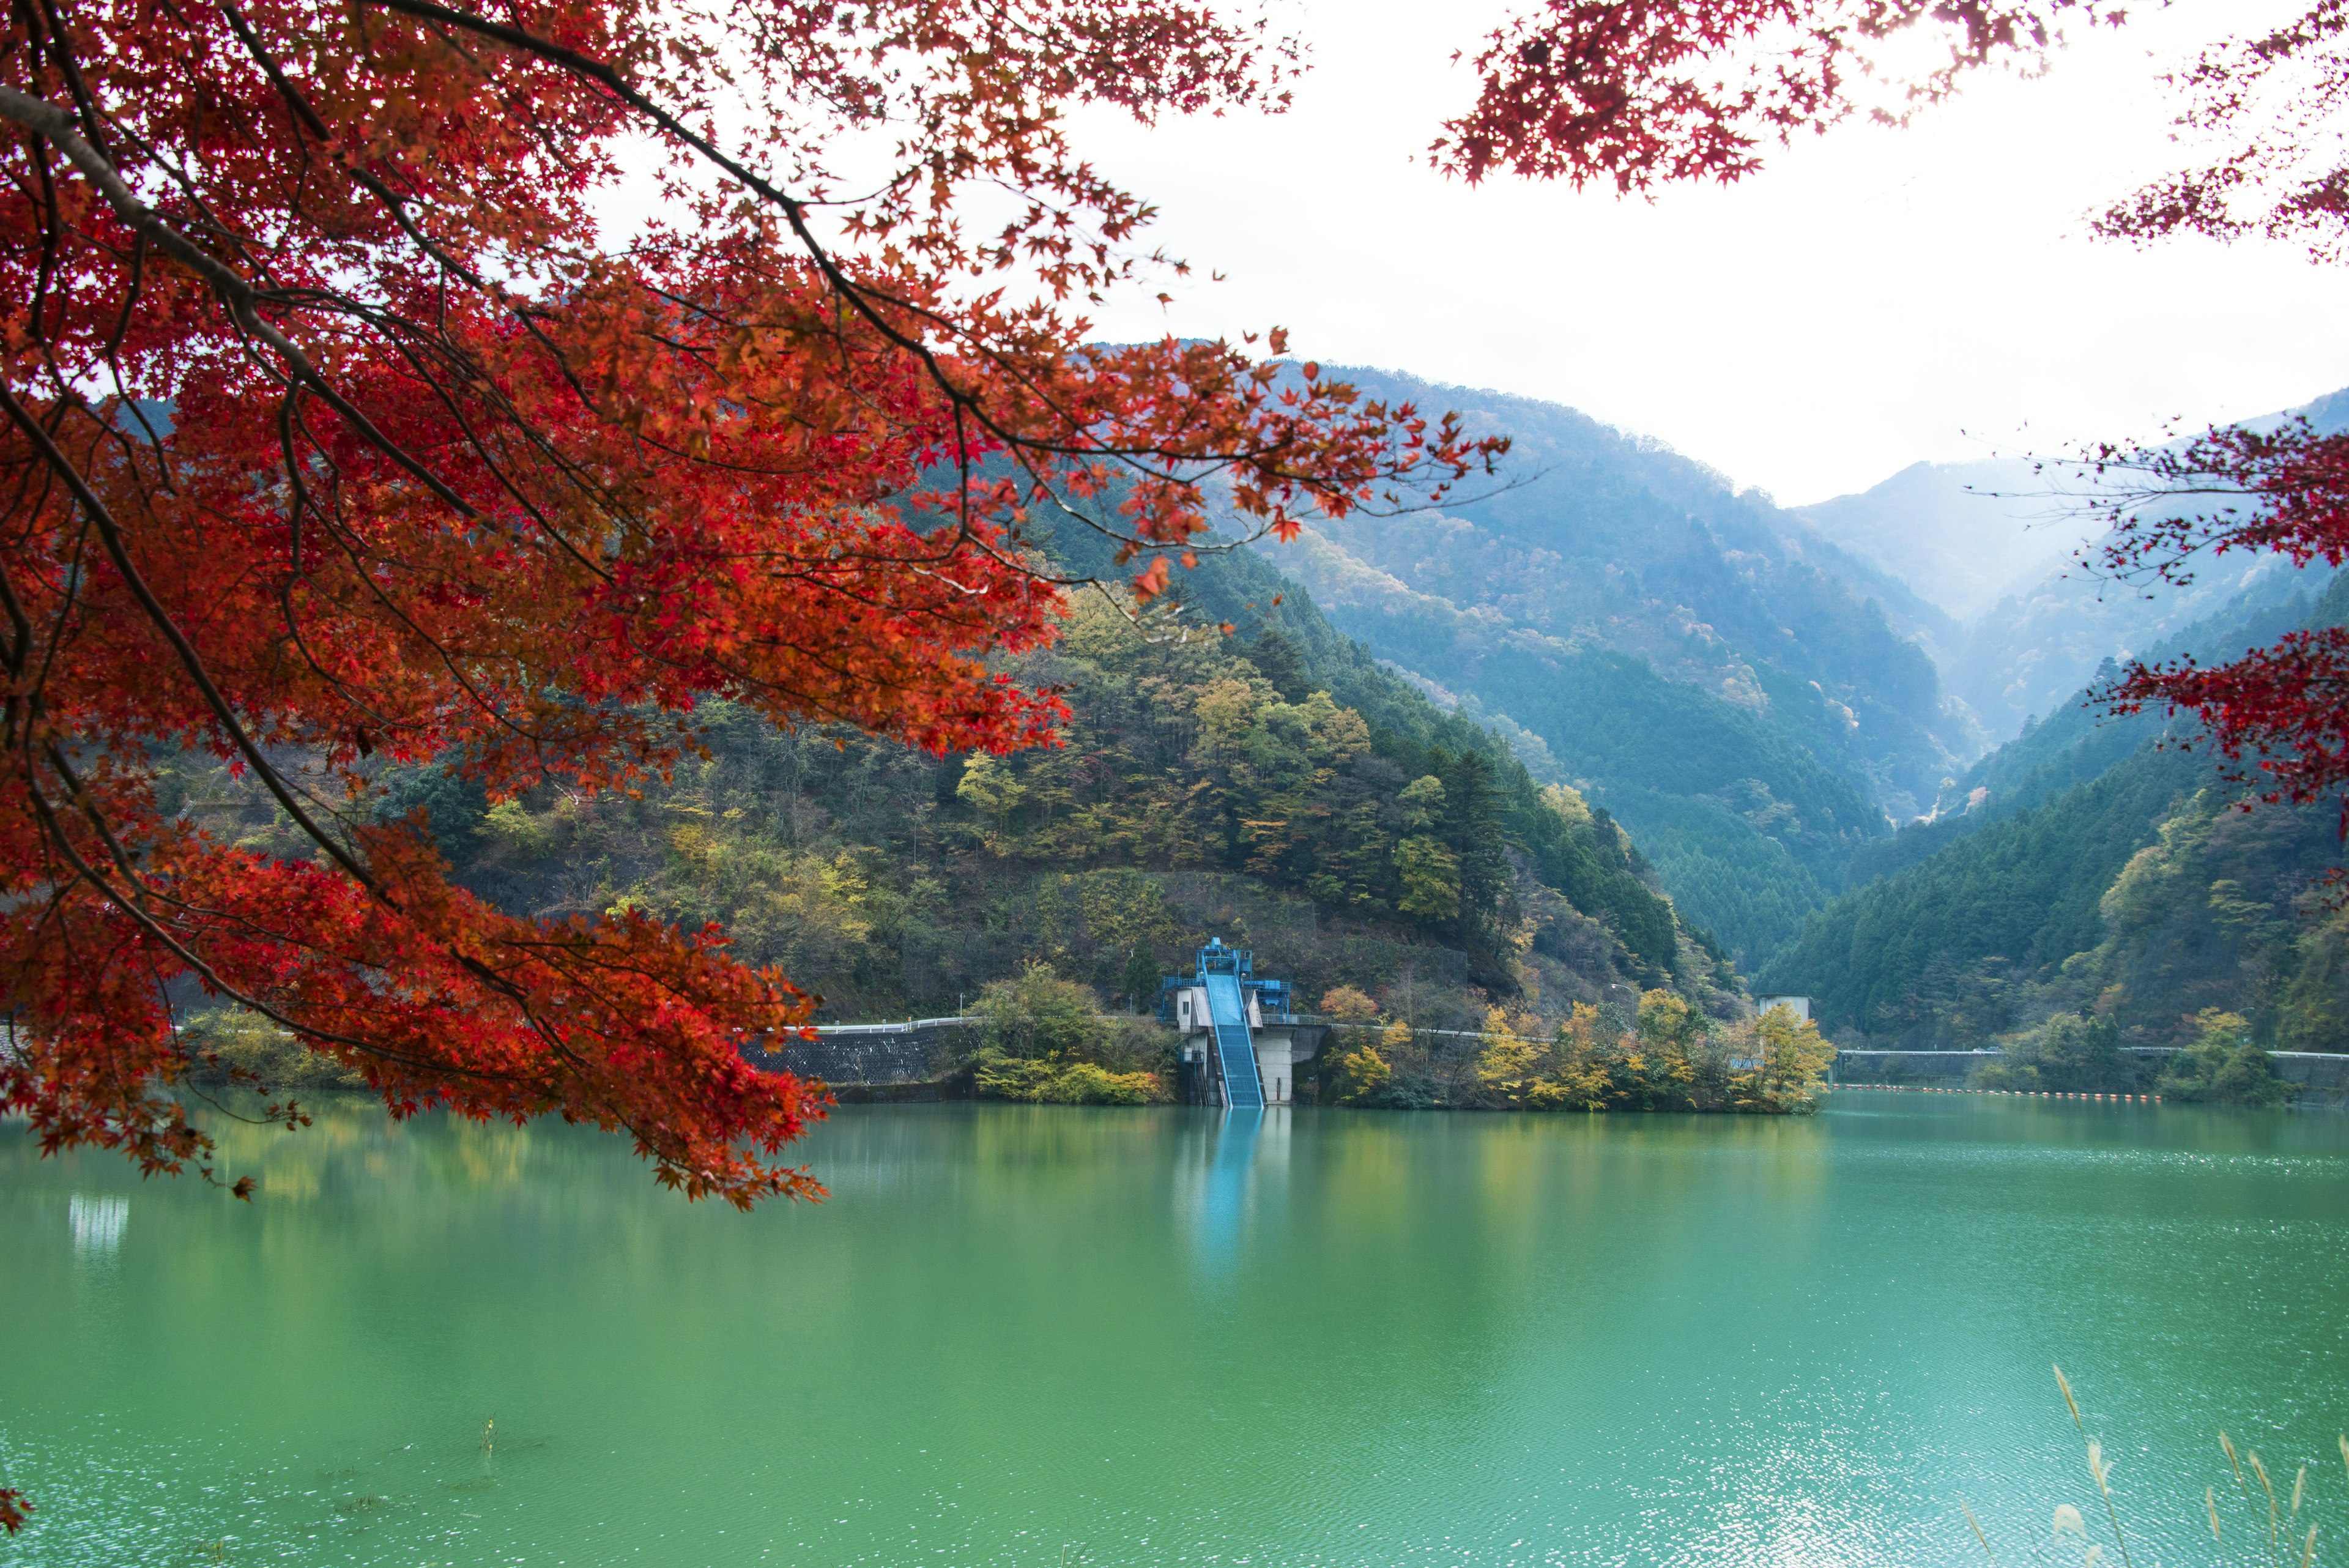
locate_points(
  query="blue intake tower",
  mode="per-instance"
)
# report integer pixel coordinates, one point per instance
(1221, 970)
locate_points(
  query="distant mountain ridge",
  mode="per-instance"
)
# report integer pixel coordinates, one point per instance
(2078, 743)
(1990, 546)
(1725, 679)
(1958, 535)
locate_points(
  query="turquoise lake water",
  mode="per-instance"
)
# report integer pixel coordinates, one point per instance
(1043, 1336)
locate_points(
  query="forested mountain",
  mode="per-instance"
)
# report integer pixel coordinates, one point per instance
(1275, 787)
(1959, 534)
(2077, 743)
(1616, 635)
(2087, 866)
(2015, 627)
(1690, 656)
(2037, 645)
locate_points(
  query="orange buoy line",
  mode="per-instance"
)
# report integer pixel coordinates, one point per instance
(2012, 1094)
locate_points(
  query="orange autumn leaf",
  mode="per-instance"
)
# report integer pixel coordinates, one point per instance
(1151, 582)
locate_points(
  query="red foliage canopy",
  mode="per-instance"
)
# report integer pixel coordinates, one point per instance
(1636, 92)
(2278, 715)
(340, 426)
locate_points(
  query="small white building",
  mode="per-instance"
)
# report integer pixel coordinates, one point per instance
(1800, 1006)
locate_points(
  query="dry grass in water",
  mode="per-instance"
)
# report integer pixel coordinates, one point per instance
(2275, 1526)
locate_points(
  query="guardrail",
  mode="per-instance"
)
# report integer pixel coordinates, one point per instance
(903, 1027)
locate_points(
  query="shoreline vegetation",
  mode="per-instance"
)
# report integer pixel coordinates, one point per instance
(1038, 1039)
(1671, 1057)
(1041, 1039)
(2255, 1503)
(2220, 1063)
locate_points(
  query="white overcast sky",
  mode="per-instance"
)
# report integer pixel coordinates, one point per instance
(1873, 298)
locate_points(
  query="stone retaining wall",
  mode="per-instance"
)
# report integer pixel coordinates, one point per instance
(864, 1055)
(2317, 1070)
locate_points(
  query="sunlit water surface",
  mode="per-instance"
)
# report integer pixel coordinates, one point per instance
(1049, 1336)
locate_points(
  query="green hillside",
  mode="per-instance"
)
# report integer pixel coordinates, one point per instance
(2077, 743)
(1275, 787)
(2098, 869)
(1689, 655)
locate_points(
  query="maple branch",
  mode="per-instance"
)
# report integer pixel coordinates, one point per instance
(110, 533)
(132, 905)
(859, 298)
(53, 124)
(794, 210)
(38, 114)
(735, 460)
(307, 117)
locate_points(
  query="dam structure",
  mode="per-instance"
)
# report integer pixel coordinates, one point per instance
(1240, 1033)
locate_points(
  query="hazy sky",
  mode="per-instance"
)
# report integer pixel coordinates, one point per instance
(1872, 298)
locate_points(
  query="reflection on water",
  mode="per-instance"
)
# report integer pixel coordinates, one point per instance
(1283, 1336)
(1226, 1160)
(97, 1224)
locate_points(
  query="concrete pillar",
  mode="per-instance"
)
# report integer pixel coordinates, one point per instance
(1272, 1067)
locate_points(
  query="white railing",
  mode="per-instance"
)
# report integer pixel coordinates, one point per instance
(906, 1026)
